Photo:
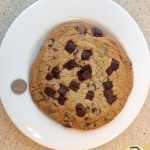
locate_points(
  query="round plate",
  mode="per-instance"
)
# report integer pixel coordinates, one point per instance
(21, 45)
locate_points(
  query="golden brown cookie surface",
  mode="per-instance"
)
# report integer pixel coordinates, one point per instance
(81, 77)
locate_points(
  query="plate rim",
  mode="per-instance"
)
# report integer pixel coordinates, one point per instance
(23, 13)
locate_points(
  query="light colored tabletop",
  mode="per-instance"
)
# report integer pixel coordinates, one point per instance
(137, 133)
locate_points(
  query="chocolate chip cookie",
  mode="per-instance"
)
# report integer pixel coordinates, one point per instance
(81, 77)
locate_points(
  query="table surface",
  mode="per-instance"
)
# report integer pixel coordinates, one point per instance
(137, 133)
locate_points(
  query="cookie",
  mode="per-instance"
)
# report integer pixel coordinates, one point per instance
(81, 77)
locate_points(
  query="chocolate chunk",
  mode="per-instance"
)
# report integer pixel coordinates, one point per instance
(114, 64)
(112, 99)
(80, 110)
(113, 67)
(96, 111)
(107, 85)
(89, 95)
(56, 72)
(63, 89)
(70, 47)
(82, 30)
(51, 42)
(109, 70)
(108, 93)
(61, 99)
(70, 64)
(97, 32)
(74, 85)
(49, 91)
(86, 54)
(79, 74)
(87, 67)
(49, 76)
(86, 75)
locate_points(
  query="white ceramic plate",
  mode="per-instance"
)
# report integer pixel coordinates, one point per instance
(21, 45)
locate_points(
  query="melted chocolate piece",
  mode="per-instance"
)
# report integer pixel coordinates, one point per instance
(112, 99)
(79, 74)
(80, 110)
(85, 73)
(108, 93)
(50, 92)
(89, 95)
(86, 54)
(63, 89)
(56, 72)
(74, 85)
(97, 32)
(87, 67)
(114, 64)
(49, 76)
(61, 99)
(107, 85)
(113, 67)
(70, 47)
(70, 64)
